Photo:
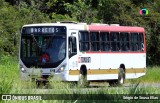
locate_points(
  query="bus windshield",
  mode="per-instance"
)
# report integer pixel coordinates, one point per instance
(46, 51)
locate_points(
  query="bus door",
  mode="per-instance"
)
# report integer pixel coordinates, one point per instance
(72, 51)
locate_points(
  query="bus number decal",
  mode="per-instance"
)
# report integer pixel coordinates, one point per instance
(85, 60)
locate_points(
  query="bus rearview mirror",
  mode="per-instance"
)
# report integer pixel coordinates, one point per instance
(15, 41)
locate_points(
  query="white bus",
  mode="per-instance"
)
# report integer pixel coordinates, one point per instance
(81, 52)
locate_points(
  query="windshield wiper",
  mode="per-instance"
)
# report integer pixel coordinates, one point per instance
(36, 41)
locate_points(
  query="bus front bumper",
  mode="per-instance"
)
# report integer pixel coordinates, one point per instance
(36, 73)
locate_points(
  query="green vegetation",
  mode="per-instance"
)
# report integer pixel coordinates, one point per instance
(14, 14)
(11, 83)
(152, 75)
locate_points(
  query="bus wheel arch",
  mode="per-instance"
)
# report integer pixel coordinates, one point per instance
(83, 70)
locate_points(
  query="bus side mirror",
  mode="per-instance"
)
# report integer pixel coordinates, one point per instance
(15, 40)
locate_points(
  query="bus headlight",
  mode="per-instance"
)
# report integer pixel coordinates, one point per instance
(62, 68)
(22, 69)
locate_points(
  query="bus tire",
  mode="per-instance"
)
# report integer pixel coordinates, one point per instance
(82, 82)
(121, 77)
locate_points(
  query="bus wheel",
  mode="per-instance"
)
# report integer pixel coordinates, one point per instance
(121, 79)
(121, 76)
(82, 80)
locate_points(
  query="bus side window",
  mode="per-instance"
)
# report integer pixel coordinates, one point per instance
(124, 37)
(84, 41)
(134, 41)
(115, 41)
(137, 42)
(141, 42)
(94, 41)
(72, 46)
(104, 39)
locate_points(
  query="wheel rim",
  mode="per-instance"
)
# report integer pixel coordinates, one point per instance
(121, 77)
(81, 79)
(122, 80)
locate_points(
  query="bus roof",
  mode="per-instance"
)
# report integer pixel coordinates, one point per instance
(71, 26)
(81, 26)
(115, 28)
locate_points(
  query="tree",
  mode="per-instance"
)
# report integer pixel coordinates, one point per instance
(82, 10)
(15, 13)
(11, 20)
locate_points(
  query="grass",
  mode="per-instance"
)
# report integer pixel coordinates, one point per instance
(152, 75)
(10, 83)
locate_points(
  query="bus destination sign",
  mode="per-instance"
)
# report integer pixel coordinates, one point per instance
(43, 30)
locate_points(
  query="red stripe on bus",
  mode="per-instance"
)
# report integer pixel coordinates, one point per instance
(115, 28)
